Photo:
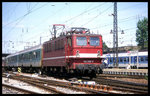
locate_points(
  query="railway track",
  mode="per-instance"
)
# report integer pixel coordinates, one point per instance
(120, 76)
(122, 85)
(43, 83)
(116, 85)
(19, 89)
(38, 83)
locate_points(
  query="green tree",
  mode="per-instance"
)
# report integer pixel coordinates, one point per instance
(104, 46)
(142, 33)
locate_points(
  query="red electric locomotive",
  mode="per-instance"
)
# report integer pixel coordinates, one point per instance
(76, 51)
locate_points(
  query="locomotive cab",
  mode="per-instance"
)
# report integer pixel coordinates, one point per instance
(84, 51)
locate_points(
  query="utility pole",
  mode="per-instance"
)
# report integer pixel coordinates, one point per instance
(115, 38)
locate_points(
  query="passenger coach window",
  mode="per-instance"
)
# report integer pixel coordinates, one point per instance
(146, 58)
(127, 59)
(110, 60)
(81, 41)
(121, 60)
(142, 59)
(94, 41)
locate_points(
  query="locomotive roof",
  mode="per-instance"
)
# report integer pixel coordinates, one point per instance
(26, 50)
(63, 36)
(87, 34)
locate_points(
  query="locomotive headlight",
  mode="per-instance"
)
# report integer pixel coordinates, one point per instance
(77, 53)
(98, 54)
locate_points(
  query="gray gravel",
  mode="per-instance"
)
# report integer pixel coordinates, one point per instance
(10, 91)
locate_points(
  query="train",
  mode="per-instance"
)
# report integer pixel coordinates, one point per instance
(129, 59)
(76, 52)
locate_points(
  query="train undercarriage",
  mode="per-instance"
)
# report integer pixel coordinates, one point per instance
(62, 71)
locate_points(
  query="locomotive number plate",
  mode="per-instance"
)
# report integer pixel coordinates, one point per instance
(88, 61)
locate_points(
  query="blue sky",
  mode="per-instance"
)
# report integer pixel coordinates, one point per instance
(23, 23)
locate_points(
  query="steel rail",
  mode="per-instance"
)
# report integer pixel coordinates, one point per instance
(123, 82)
(62, 84)
(38, 84)
(20, 89)
(121, 85)
(121, 76)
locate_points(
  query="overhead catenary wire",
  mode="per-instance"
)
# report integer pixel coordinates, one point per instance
(62, 9)
(29, 39)
(125, 19)
(41, 23)
(34, 5)
(50, 16)
(24, 15)
(12, 12)
(83, 13)
(108, 33)
(59, 10)
(129, 7)
(97, 16)
(29, 8)
(119, 21)
(14, 27)
(21, 18)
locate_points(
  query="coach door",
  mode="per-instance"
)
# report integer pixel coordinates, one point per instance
(135, 60)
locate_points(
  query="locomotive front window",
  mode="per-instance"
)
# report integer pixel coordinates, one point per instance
(81, 41)
(94, 41)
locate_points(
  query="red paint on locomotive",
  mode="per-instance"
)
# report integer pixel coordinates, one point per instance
(63, 50)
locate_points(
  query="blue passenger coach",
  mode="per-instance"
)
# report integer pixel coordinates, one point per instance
(31, 57)
(132, 58)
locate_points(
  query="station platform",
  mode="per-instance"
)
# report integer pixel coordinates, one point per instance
(143, 72)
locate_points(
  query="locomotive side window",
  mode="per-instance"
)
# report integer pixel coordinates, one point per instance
(47, 47)
(62, 44)
(52, 44)
(58, 44)
(55, 45)
(81, 41)
(69, 41)
(94, 41)
(50, 47)
(44, 47)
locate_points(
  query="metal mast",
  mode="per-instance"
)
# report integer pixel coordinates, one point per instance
(115, 34)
